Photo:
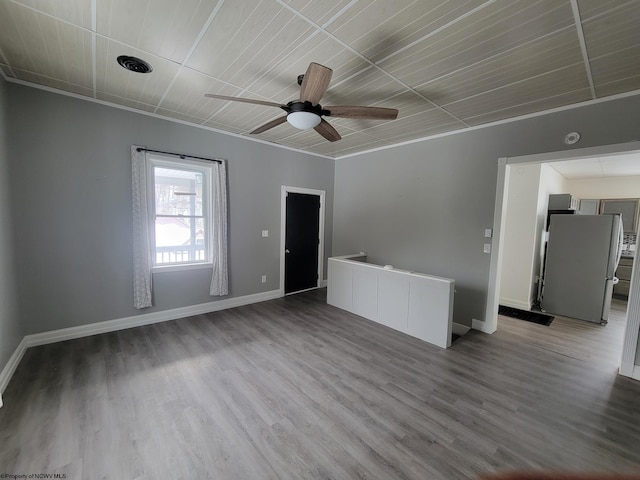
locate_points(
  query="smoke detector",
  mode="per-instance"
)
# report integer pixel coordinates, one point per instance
(572, 138)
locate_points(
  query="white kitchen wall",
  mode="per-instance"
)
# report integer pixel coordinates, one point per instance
(527, 202)
(519, 236)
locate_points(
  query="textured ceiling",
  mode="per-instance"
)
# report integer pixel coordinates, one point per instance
(446, 65)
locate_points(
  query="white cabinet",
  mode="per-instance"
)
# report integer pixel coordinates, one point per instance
(589, 207)
(563, 201)
(628, 208)
(413, 303)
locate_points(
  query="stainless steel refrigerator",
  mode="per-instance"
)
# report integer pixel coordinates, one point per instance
(583, 252)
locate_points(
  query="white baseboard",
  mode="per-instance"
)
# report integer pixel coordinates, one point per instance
(9, 369)
(459, 329)
(636, 372)
(510, 302)
(323, 284)
(145, 319)
(482, 326)
(123, 323)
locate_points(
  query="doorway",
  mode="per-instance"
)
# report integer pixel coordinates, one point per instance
(302, 239)
(629, 348)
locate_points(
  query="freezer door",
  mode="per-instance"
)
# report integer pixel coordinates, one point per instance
(577, 266)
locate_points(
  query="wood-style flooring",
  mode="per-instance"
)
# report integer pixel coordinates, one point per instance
(294, 388)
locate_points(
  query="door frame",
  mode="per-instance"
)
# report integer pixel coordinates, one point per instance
(489, 325)
(285, 189)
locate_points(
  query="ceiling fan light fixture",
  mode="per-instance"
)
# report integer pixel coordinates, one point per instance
(303, 120)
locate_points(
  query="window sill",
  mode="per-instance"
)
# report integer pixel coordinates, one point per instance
(179, 268)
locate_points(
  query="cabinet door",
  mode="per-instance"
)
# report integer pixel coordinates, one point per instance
(627, 207)
(589, 207)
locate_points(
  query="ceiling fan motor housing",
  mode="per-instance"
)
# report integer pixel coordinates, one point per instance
(298, 106)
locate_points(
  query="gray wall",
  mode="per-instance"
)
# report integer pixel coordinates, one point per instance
(10, 329)
(424, 206)
(71, 171)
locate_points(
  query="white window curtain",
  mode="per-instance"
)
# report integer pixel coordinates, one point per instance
(220, 277)
(142, 260)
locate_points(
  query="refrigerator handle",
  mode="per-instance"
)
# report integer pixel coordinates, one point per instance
(620, 242)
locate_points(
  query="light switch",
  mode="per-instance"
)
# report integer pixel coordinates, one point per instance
(265, 233)
(487, 233)
(487, 248)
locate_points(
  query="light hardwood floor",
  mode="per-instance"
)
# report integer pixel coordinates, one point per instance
(294, 388)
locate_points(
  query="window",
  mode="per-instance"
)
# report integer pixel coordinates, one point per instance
(180, 194)
(179, 213)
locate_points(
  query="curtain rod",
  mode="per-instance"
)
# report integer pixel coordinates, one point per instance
(181, 155)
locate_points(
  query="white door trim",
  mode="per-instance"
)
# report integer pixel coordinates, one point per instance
(285, 189)
(490, 323)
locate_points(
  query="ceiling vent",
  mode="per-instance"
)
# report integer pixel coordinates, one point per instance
(134, 64)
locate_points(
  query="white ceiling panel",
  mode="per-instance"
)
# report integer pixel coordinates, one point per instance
(444, 64)
(187, 94)
(621, 68)
(558, 82)
(246, 38)
(114, 80)
(612, 31)
(242, 117)
(166, 28)
(43, 45)
(52, 83)
(350, 143)
(322, 13)
(623, 165)
(368, 87)
(534, 58)
(496, 29)
(77, 12)
(533, 106)
(585, 168)
(599, 167)
(280, 81)
(125, 101)
(398, 24)
(415, 126)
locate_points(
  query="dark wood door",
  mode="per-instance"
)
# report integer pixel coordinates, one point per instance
(302, 237)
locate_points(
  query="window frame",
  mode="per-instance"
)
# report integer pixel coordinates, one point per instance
(154, 160)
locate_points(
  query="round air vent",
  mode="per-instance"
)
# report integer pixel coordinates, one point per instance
(134, 64)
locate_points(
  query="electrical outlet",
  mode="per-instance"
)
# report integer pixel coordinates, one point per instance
(487, 233)
(487, 248)
(265, 233)
(264, 279)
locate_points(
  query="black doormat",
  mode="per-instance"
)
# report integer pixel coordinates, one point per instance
(535, 317)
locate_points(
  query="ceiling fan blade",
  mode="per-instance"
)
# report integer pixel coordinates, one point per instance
(268, 125)
(315, 83)
(243, 100)
(371, 113)
(325, 129)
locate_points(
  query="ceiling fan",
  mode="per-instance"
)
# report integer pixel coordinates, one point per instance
(306, 112)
